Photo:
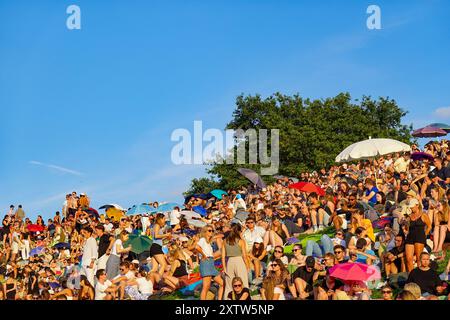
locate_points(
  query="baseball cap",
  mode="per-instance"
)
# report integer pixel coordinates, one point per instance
(135, 262)
(404, 182)
(258, 240)
(310, 262)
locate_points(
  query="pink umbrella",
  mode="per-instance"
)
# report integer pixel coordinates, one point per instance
(355, 272)
(428, 132)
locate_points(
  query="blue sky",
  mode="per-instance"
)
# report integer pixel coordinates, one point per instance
(92, 110)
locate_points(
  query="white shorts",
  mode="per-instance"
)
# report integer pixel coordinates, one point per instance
(15, 248)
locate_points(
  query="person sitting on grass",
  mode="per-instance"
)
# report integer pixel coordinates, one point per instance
(104, 289)
(239, 291)
(394, 260)
(256, 255)
(365, 255)
(425, 277)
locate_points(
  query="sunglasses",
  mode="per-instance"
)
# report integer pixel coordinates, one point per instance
(337, 252)
(386, 291)
(295, 250)
(237, 285)
(274, 265)
(278, 251)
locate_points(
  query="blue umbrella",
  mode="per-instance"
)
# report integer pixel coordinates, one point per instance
(140, 209)
(62, 245)
(218, 193)
(166, 207)
(200, 210)
(37, 251)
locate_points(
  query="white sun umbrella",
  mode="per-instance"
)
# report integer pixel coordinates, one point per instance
(196, 223)
(371, 148)
(190, 214)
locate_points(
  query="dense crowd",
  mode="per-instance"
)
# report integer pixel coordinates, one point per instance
(388, 216)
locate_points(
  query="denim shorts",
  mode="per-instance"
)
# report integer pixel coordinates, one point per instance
(207, 268)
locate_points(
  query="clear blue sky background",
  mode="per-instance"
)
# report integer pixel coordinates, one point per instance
(100, 103)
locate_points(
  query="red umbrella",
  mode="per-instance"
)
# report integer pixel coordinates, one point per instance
(309, 187)
(355, 272)
(35, 228)
(297, 185)
(429, 132)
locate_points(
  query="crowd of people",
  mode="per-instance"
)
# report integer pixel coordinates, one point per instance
(272, 243)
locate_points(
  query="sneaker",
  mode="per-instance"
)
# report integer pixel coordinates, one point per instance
(321, 227)
(315, 229)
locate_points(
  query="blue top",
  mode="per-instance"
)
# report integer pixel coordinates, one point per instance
(363, 259)
(372, 200)
(157, 241)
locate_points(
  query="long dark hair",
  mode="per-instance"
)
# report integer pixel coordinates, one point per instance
(235, 234)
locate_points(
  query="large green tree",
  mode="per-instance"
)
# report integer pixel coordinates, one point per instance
(312, 132)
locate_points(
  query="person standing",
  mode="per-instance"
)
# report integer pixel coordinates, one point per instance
(207, 268)
(90, 255)
(11, 211)
(114, 259)
(234, 258)
(105, 242)
(419, 228)
(20, 214)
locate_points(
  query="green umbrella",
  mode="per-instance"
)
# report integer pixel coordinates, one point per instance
(139, 243)
(218, 193)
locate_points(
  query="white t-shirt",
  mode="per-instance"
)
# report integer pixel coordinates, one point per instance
(206, 247)
(114, 250)
(108, 227)
(144, 286)
(130, 275)
(100, 293)
(251, 236)
(174, 216)
(281, 292)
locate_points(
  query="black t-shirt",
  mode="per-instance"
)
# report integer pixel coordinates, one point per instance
(302, 273)
(396, 251)
(442, 173)
(401, 196)
(103, 244)
(426, 280)
(238, 296)
(303, 217)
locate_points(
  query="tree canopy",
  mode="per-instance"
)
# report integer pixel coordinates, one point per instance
(312, 132)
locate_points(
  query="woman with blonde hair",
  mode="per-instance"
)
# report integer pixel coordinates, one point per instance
(178, 275)
(208, 271)
(441, 226)
(419, 228)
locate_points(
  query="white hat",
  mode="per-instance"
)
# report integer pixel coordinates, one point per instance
(135, 261)
(82, 194)
(413, 202)
(259, 240)
(183, 239)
